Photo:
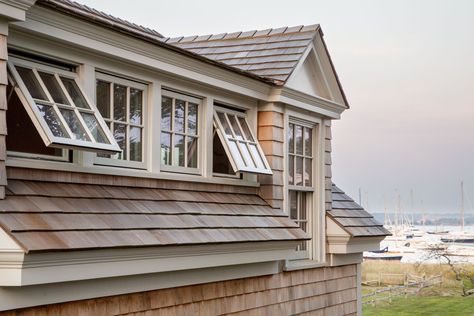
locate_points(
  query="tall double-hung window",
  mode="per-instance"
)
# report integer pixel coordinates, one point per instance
(58, 108)
(122, 104)
(300, 179)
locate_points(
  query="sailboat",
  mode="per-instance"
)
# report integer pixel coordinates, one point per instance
(461, 237)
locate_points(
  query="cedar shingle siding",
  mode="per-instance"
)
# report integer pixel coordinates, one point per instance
(321, 291)
(3, 109)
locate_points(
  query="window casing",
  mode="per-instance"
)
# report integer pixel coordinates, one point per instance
(242, 148)
(300, 159)
(123, 105)
(180, 133)
(59, 109)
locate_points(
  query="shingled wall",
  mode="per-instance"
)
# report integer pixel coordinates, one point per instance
(327, 164)
(320, 291)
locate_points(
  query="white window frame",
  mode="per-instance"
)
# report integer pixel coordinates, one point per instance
(113, 79)
(314, 248)
(187, 98)
(225, 139)
(43, 129)
(306, 253)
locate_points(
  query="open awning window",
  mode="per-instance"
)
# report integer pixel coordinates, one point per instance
(59, 109)
(241, 146)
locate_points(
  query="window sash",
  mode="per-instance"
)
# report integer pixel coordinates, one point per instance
(294, 156)
(241, 146)
(303, 216)
(112, 80)
(185, 133)
(31, 107)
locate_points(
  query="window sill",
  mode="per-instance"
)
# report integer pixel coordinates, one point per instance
(293, 265)
(120, 171)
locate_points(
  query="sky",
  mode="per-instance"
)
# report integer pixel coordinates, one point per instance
(407, 68)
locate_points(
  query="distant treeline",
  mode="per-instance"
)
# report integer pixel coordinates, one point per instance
(431, 219)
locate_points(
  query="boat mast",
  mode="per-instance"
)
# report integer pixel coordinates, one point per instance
(462, 206)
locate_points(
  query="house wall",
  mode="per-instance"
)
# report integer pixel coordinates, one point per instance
(327, 164)
(318, 291)
(270, 134)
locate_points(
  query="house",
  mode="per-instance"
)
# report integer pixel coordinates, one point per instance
(141, 174)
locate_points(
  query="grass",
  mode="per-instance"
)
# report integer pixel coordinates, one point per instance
(444, 299)
(427, 305)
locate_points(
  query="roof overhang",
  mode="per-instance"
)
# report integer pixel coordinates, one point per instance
(21, 269)
(341, 242)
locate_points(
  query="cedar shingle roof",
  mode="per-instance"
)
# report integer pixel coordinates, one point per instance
(48, 216)
(352, 217)
(270, 53)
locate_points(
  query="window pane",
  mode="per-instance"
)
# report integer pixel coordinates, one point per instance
(256, 155)
(236, 154)
(120, 102)
(74, 124)
(192, 144)
(51, 118)
(224, 123)
(299, 171)
(178, 150)
(166, 149)
(135, 144)
(103, 98)
(53, 87)
(291, 170)
(245, 129)
(179, 116)
(74, 92)
(299, 139)
(31, 83)
(136, 100)
(246, 153)
(120, 135)
(308, 172)
(302, 207)
(308, 141)
(94, 128)
(192, 118)
(291, 138)
(235, 126)
(220, 161)
(103, 155)
(166, 105)
(293, 203)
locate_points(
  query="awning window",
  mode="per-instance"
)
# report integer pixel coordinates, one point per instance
(241, 146)
(60, 111)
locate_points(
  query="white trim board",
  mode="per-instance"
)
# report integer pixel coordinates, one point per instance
(19, 297)
(19, 269)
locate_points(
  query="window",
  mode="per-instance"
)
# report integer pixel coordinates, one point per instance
(20, 127)
(299, 210)
(179, 132)
(300, 180)
(300, 155)
(122, 103)
(240, 145)
(58, 108)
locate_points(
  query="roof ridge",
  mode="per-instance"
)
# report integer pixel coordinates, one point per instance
(242, 34)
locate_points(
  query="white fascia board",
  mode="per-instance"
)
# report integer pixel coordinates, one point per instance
(42, 268)
(84, 35)
(307, 102)
(346, 245)
(345, 259)
(43, 294)
(14, 10)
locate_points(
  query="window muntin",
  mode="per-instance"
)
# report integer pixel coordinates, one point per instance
(300, 155)
(299, 211)
(179, 132)
(122, 103)
(58, 107)
(243, 151)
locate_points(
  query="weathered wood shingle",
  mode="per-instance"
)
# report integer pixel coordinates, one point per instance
(352, 217)
(270, 53)
(49, 216)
